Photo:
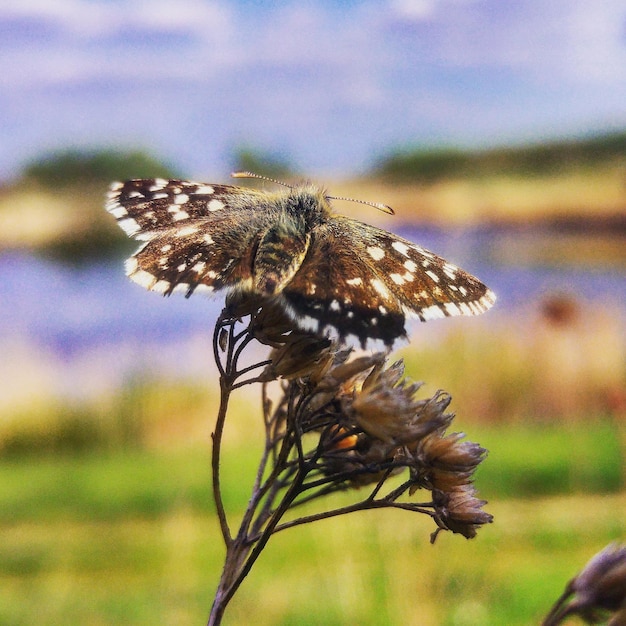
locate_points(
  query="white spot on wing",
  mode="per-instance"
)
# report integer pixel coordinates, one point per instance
(402, 248)
(215, 205)
(161, 286)
(450, 270)
(159, 183)
(186, 230)
(131, 265)
(306, 322)
(379, 286)
(130, 226)
(181, 288)
(432, 313)
(118, 211)
(376, 253)
(143, 278)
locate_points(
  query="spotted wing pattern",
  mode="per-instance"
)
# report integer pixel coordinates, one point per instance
(353, 279)
(363, 281)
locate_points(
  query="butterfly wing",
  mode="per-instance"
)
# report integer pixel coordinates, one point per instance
(143, 207)
(362, 280)
(198, 236)
(355, 278)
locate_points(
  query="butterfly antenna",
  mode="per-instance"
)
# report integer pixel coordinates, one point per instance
(377, 205)
(260, 177)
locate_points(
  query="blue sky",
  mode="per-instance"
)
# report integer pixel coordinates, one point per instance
(331, 86)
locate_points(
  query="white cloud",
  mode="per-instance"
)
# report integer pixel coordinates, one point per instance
(542, 40)
(92, 41)
(413, 9)
(88, 19)
(370, 71)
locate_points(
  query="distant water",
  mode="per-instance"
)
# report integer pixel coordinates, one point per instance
(99, 328)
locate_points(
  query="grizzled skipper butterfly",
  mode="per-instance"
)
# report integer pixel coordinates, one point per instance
(327, 272)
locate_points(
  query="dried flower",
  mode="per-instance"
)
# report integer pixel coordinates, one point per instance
(599, 588)
(387, 410)
(460, 511)
(302, 356)
(339, 422)
(269, 324)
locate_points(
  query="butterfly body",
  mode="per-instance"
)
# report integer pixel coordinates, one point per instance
(327, 271)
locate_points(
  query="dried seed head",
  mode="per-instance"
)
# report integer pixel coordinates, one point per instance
(350, 371)
(357, 457)
(387, 409)
(460, 511)
(269, 324)
(598, 590)
(302, 356)
(602, 582)
(450, 453)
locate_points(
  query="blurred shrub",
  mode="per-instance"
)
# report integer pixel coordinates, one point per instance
(69, 429)
(71, 186)
(424, 165)
(85, 167)
(272, 165)
(144, 413)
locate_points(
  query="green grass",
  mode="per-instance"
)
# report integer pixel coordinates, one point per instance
(538, 459)
(527, 460)
(130, 537)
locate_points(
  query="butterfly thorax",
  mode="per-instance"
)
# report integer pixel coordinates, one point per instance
(283, 246)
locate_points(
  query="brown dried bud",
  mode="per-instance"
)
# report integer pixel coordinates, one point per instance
(599, 588)
(450, 453)
(388, 411)
(347, 371)
(302, 355)
(460, 510)
(602, 583)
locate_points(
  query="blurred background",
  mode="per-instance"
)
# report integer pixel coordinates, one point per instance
(496, 131)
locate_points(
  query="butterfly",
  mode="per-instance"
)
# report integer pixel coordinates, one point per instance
(329, 273)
